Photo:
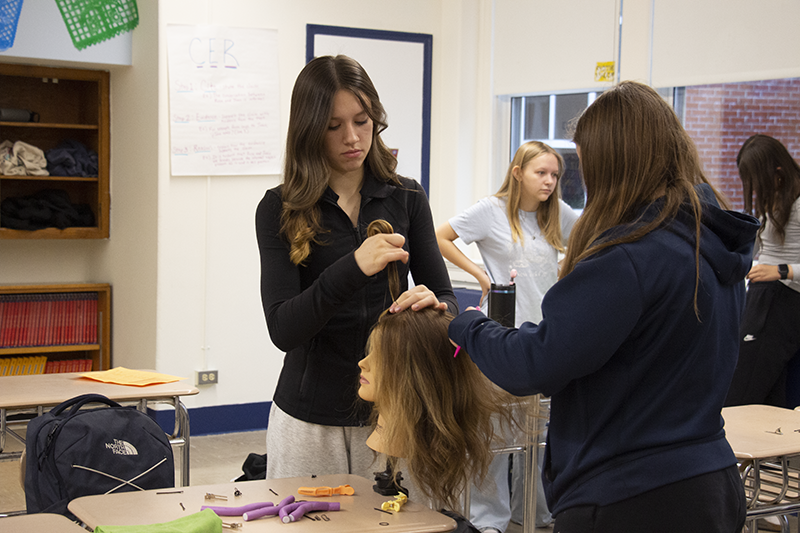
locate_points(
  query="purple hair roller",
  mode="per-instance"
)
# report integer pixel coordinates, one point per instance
(267, 511)
(290, 513)
(237, 511)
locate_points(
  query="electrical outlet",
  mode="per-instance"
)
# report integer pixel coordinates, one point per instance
(207, 377)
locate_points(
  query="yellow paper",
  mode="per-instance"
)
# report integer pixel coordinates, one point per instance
(604, 71)
(123, 376)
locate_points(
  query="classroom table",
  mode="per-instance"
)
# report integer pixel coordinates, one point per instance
(358, 512)
(39, 523)
(766, 441)
(33, 393)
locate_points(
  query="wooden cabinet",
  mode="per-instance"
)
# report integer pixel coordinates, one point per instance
(72, 104)
(54, 328)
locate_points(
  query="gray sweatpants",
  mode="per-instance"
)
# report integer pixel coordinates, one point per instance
(296, 449)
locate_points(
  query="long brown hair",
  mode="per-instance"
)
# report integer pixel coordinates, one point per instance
(633, 150)
(382, 226)
(438, 408)
(547, 214)
(767, 169)
(306, 169)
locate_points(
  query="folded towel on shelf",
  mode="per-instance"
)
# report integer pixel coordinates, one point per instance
(22, 159)
(6, 156)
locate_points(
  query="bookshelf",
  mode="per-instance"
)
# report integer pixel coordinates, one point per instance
(72, 104)
(60, 321)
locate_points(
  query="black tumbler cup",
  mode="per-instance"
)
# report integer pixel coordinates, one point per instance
(502, 302)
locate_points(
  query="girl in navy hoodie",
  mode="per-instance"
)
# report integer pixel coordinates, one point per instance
(638, 339)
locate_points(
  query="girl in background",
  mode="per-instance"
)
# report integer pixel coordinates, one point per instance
(522, 227)
(323, 280)
(770, 336)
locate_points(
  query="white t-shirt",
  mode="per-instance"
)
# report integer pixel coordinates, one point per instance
(535, 261)
(772, 252)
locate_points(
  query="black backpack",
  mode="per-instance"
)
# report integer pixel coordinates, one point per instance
(80, 452)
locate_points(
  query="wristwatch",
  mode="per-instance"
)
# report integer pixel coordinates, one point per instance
(783, 270)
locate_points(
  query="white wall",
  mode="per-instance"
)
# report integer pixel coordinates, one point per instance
(552, 45)
(182, 256)
(129, 258)
(720, 41)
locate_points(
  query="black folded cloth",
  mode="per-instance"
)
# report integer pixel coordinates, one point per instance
(71, 158)
(46, 209)
(254, 467)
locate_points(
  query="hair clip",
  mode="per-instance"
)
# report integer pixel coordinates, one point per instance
(458, 348)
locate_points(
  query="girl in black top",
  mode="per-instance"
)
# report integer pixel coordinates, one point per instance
(323, 282)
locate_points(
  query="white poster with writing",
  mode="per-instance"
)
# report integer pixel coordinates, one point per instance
(223, 100)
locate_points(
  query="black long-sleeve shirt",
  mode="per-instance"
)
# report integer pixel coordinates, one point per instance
(321, 313)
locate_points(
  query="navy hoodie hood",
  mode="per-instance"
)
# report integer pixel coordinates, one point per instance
(728, 238)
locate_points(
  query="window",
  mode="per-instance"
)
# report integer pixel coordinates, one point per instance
(718, 118)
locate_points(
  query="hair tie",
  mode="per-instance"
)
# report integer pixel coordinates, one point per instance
(457, 349)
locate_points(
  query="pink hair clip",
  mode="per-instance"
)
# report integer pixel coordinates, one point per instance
(457, 350)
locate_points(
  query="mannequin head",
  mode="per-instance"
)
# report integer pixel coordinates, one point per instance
(435, 409)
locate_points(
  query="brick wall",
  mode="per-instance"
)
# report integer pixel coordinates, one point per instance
(721, 117)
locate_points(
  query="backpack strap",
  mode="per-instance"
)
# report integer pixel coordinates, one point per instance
(74, 405)
(79, 401)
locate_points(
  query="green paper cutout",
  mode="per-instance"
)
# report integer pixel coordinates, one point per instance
(93, 21)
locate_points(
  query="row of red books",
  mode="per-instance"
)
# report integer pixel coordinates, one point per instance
(48, 319)
(69, 365)
(38, 364)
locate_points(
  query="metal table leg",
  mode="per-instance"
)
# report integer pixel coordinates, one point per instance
(181, 434)
(531, 460)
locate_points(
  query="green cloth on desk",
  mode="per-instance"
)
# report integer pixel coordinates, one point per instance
(205, 521)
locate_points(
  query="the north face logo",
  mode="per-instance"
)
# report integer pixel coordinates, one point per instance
(120, 447)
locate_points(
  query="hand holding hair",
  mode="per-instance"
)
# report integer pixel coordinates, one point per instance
(417, 297)
(378, 251)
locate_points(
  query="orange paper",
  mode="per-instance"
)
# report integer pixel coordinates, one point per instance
(124, 376)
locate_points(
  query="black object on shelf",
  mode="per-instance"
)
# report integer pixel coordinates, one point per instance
(18, 115)
(45, 209)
